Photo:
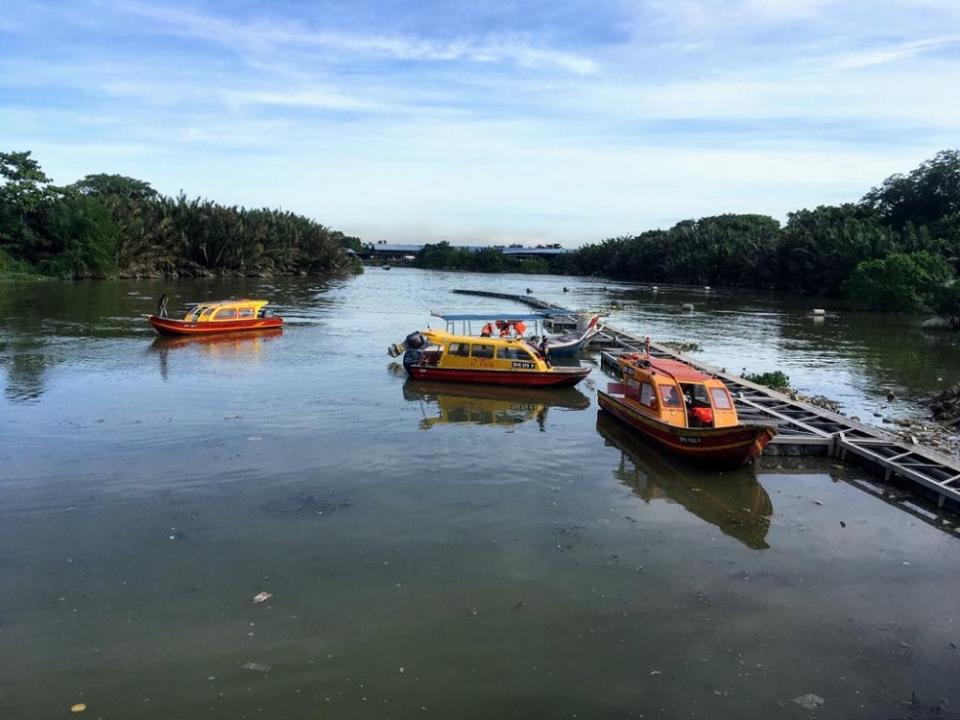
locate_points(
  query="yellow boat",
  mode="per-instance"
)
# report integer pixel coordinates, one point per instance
(218, 316)
(683, 409)
(440, 355)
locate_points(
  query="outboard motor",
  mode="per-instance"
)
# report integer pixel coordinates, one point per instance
(415, 340)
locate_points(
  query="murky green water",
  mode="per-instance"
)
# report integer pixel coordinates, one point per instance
(440, 552)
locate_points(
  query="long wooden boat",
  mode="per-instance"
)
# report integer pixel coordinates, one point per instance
(571, 343)
(439, 355)
(684, 410)
(221, 316)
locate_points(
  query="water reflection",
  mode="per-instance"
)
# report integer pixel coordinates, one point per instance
(734, 501)
(247, 345)
(25, 376)
(444, 403)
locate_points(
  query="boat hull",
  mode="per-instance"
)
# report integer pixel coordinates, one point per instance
(171, 326)
(566, 350)
(570, 345)
(719, 447)
(553, 378)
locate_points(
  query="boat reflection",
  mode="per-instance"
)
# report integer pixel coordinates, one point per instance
(489, 404)
(248, 344)
(735, 501)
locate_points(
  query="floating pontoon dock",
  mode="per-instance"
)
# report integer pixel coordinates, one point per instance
(803, 429)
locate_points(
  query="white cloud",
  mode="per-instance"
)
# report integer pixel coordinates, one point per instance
(261, 35)
(891, 53)
(323, 99)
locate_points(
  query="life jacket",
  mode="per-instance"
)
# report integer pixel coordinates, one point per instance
(703, 415)
(519, 327)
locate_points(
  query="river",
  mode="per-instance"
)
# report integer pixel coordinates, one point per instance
(436, 552)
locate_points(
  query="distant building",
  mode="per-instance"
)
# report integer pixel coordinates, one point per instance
(403, 252)
(524, 253)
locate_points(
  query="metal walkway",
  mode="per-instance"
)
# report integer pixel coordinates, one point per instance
(802, 429)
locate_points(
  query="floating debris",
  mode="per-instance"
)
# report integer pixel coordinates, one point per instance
(809, 701)
(682, 346)
(257, 667)
(262, 597)
(305, 503)
(78, 708)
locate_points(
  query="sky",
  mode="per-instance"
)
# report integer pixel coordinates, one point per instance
(491, 122)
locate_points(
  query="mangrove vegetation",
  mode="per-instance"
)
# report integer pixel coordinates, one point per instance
(898, 248)
(111, 225)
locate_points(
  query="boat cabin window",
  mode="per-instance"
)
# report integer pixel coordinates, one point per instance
(482, 351)
(699, 412)
(670, 396)
(695, 395)
(721, 398)
(646, 395)
(245, 313)
(514, 353)
(198, 311)
(226, 314)
(459, 350)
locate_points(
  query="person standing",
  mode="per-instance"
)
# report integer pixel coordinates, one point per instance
(162, 306)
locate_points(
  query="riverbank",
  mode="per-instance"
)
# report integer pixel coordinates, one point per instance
(106, 226)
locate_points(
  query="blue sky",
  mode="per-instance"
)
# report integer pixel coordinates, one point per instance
(486, 122)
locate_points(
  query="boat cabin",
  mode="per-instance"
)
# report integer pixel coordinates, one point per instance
(449, 351)
(676, 394)
(226, 310)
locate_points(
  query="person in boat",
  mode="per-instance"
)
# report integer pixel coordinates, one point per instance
(162, 306)
(542, 349)
(504, 328)
(519, 327)
(487, 330)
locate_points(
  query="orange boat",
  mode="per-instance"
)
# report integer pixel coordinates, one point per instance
(684, 410)
(219, 316)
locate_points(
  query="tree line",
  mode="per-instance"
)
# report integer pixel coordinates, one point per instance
(444, 256)
(112, 225)
(898, 248)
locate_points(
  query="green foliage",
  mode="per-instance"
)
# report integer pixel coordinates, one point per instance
(114, 186)
(347, 242)
(775, 380)
(444, 256)
(819, 248)
(112, 224)
(948, 299)
(25, 185)
(81, 239)
(819, 251)
(925, 196)
(738, 250)
(900, 282)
